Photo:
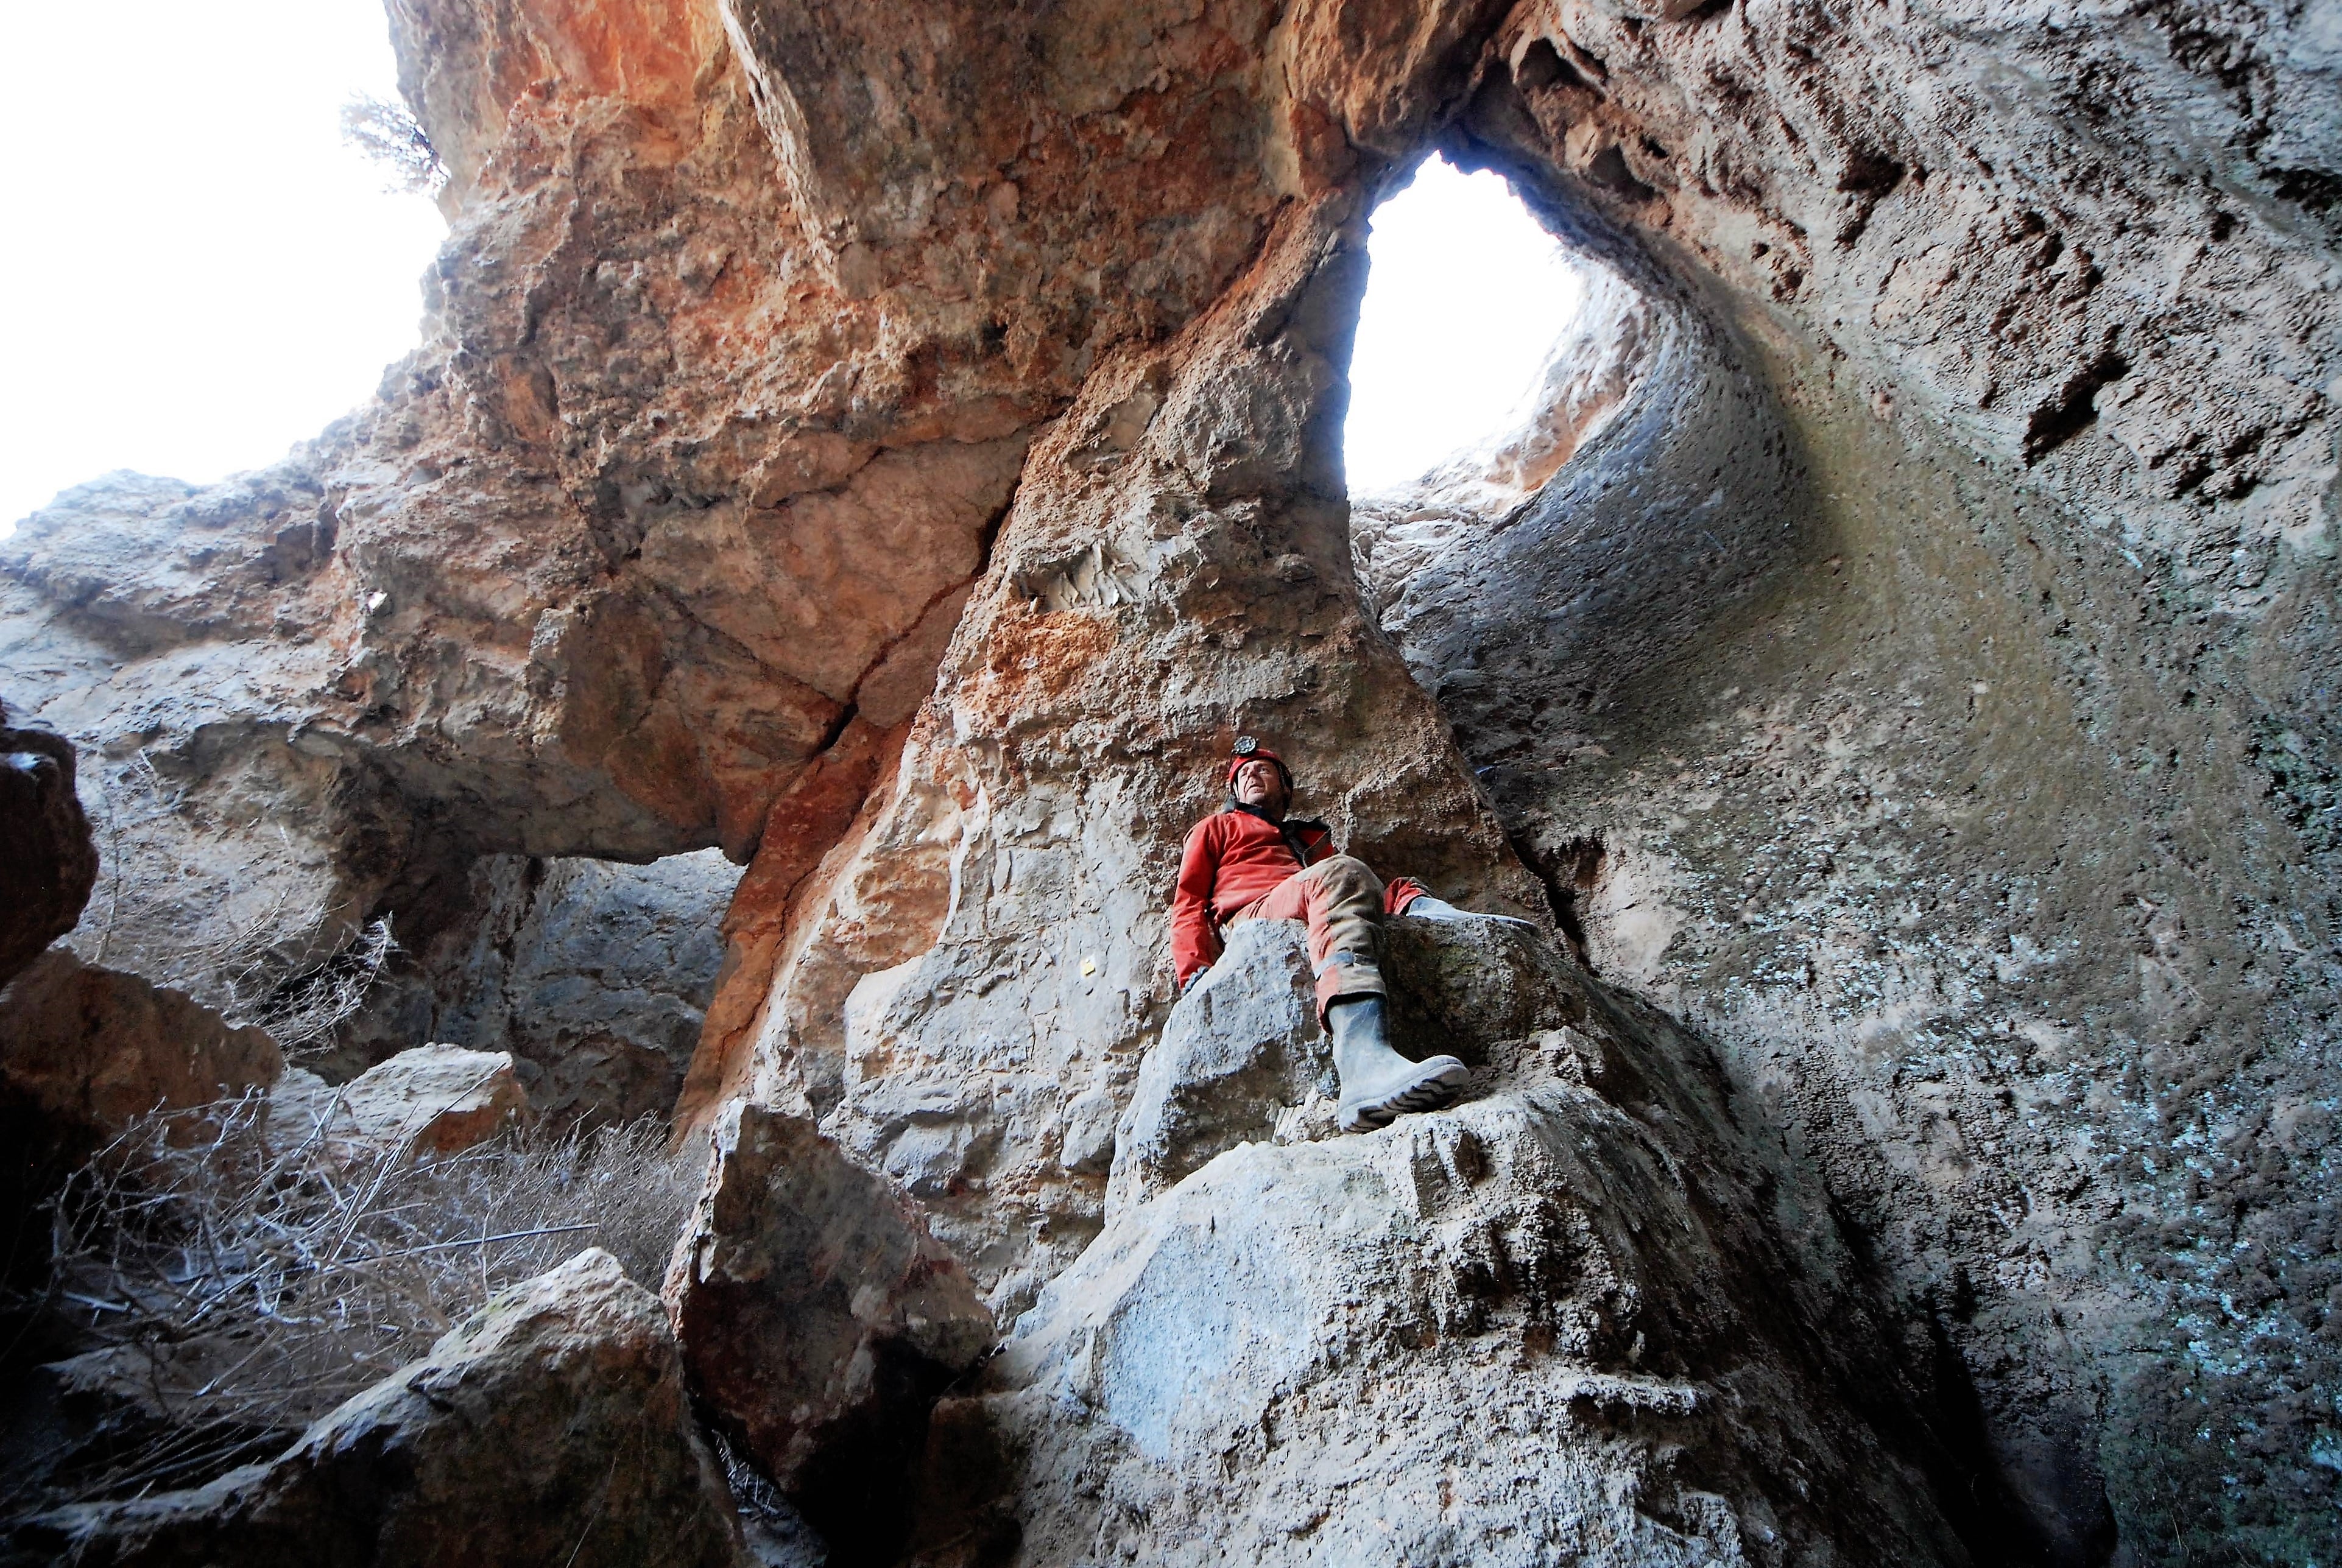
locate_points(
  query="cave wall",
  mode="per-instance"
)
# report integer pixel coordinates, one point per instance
(972, 977)
(1987, 838)
(903, 456)
(1990, 896)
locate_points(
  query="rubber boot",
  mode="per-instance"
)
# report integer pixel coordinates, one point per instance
(1423, 906)
(1377, 1083)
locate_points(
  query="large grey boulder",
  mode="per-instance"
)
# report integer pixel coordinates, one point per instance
(552, 1429)
(1573, 1318)
(1241, 1047)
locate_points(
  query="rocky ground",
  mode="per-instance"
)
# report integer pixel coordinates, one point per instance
(1895, 669)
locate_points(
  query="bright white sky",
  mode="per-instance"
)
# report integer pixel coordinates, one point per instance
(1465, 296)
(199, 273)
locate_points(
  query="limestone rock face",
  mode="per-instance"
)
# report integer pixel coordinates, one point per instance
(820, 1321)
(987, 946)
(1859, 819)
(1524, 1329)
(552, 1428)
(47, 861)
(902, 454)
(625, 633)
(1906, 194)
(2056, 431)
(156, 627)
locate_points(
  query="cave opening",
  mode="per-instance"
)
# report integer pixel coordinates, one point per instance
(593, 974)
(1466, 297)
(1565, 466)
(178, 332)
(1566, 471)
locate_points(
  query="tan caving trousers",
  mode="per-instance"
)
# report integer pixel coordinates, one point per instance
(1341, 901)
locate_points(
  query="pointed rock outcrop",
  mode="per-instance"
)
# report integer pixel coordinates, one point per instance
(1572, 1318)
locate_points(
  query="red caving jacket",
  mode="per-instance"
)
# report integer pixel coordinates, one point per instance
(1233, 857)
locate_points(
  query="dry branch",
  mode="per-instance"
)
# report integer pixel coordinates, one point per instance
(240, 1280)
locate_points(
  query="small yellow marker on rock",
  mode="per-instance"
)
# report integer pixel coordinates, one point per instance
(1089, 964)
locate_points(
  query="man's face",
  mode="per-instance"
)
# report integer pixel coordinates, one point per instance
(1260, 783)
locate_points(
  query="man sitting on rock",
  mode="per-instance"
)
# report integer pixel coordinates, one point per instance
(1249, 862)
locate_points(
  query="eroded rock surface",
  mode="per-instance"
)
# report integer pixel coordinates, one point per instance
(595, 977)
(903, 457)
(151, 624)
(1863, 828)
(1523, 1330)
(820, 1321)
(552, 1428)
(1653, 491)
(1243, 1058)
(1240, 1048)
(987, 947)
(1919, 830)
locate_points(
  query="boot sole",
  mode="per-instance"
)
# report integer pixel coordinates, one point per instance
(1427, 1093)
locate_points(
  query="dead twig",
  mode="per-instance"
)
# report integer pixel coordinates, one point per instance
(239, 1280)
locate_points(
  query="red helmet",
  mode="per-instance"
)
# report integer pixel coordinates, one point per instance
(1249, 750)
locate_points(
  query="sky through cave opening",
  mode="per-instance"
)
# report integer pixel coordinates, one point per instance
(205, 273)
(1465, 297)
(189, 330)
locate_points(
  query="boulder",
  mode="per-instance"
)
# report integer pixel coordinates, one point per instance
(93, 1048)
(1242, 1058)
(1239, 1048)
(48, 862)
(432, 1100)
(820, 1321)
(1471, 987)
(84, 1052)
(551, 1429)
